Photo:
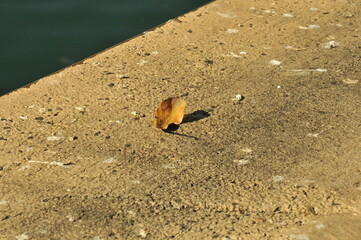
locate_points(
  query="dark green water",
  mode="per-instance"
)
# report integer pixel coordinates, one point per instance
(38, 37)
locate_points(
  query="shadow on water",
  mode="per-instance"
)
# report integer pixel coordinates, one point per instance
(188, 118)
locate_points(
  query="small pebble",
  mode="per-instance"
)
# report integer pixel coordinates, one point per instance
(23, 236)
(54, 138)
(81, 109)
(320, 226)
(299, 237)
(313, 26)
(275, 62)
(142, 62)
(241, 161)
(109, 160)
(142, 233)
(350, 81)
(238, 97)
(231, 31)
(247, 150)
(330, 44)
(309, 27)
(278, 178)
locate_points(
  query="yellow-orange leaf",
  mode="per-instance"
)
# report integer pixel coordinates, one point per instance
(170, 111)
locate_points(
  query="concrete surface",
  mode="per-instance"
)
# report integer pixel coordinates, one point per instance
(273, 150)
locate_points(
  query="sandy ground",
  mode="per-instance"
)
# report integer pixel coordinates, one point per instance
(273, 151)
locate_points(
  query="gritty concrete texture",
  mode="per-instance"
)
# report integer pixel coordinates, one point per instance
(273, 149)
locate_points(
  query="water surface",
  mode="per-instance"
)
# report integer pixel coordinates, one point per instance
(39, 37)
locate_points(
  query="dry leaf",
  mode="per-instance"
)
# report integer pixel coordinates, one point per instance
(170, 111)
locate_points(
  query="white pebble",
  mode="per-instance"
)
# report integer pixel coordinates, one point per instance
(29, 149)
(299, 237)
(313, 9)
(310, 70)
(268, 11)
(313, 26)
(232, 54)
(330, 44)
(278, 178)
(247, 150)
(241, 161)
(320, 70)
(109, 160)
(288, 15)
(320, 226)
(312, 134)
(54, 138)
(142, 62)
(350, 81)
(275, 62)
(309, 27)
(81, 109)
(230, 31)
(22, 117)
(226, 15)
(23, 236)
(50, 163)
(142, 233)
(238, 97)
(306, 181)
(70, 218)
(23, 168)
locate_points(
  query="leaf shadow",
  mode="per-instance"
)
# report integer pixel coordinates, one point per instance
(195, 116)
(191, 117)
